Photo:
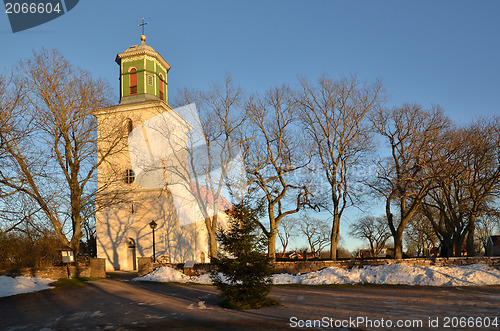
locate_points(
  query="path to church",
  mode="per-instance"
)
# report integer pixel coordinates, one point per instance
(122, 304)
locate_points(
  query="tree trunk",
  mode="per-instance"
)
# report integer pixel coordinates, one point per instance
(271, 249)
(396, 234)
(284, 249)
(372, 250)
(471, 251)
(334, 237)
(446, 248)
(212, 239)
(398, 244)
(212, 246)
(77, 227)
(75, 242)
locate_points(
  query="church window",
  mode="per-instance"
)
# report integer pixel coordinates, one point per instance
(150, 80)
(161, 87)
(129, 176)
(133, 81)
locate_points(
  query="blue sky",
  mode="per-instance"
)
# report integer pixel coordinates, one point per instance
(430, 52)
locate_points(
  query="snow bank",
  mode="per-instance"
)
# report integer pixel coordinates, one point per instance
(401, 274)
(170, 275)
(165, 274)
(202, 279)
(12, 286)
(470, 275)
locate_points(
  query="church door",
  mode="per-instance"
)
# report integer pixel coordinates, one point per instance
(131, 258)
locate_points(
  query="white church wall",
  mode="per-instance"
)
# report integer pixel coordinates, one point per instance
(174, 242)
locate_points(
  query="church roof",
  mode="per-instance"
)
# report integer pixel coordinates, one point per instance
(142, 49)
(139, 47)
(208, 197)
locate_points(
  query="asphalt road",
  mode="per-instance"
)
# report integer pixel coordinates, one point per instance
(122, 304)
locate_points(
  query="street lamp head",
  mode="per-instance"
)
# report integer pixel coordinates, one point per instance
(152, 224)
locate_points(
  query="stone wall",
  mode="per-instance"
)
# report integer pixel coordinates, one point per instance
(301, 266)
(296, 267)
(94, 268)
(146, 265)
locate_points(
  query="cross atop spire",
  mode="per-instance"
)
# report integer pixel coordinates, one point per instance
(143, 37)
(142, 25)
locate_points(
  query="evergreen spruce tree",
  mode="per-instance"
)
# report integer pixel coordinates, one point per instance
(242, 273)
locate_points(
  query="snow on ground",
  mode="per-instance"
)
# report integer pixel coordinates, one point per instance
(469, 275)
(475, 274)
(12, 286)
(165, 274)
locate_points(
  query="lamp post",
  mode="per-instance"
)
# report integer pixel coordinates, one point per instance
(153, 225)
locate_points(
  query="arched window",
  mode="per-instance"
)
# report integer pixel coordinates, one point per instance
(133, 81)
(130, 243)
(129, 176)
(161, 87)
(128, 125)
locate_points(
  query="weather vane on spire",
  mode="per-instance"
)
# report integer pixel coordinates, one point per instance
(142, 25)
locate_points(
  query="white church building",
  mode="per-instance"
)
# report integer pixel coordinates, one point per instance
(146, 176)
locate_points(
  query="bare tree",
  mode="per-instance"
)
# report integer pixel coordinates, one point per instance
(403, 178)
(274, 155)
(287, 230)
(334, 114)
(16, 212)
(373, 229)
(316, 232)
(420, 236)
(446, 203)
(468, 186)
(50, 141)
(210, 167)
(10, 99)
(486, 226)
(482, 164)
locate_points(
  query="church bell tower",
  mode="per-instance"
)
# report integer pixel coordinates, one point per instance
(129, 197)
(143, 74)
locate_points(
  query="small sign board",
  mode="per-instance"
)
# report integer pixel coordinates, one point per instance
(189, 264)
(67, 256)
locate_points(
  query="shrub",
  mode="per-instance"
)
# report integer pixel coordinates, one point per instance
(19, 250)
(243, 274)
